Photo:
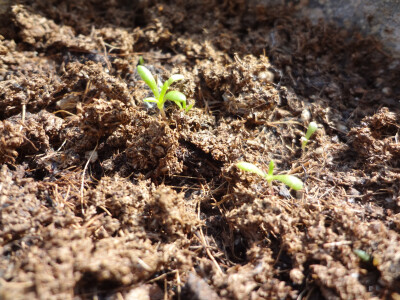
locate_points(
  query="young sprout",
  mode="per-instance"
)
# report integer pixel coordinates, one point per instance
(312, 127)
(364, 256)
(160, 97)
(291, 181)
(141, 61)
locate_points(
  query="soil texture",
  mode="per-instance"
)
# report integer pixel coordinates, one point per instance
(103, 198)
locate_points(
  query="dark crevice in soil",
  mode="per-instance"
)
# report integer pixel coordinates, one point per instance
(89, 286)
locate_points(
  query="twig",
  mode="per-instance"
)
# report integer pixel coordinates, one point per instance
(297, 169)
(23, 113)
(62, 145)
(165, 289)
(83, 177)
(203, 241)
(162, 276)
(335, 244)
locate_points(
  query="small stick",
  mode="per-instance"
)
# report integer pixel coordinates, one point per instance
(203, 240)
(83, 177)
(23, 113)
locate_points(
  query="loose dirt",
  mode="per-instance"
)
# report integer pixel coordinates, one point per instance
(102, 198)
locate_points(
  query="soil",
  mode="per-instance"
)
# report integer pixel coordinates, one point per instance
(102, 198)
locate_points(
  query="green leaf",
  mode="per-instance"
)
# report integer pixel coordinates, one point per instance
(189, 107)
(179, 104)
(271, 168)
(175, 96)
(175, 77)
(150, 99)
(364, 256)
(291, 181)
(166, 85)
(147, 77)
(245, 166)
(312, 127)
(304, 142)
(141, 61)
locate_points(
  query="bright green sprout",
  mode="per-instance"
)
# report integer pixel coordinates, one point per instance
(291, 181)
(364, 256)
(160, 97)
(141, 61)
(312, 127)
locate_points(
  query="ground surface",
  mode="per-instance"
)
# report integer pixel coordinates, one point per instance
(101, 198)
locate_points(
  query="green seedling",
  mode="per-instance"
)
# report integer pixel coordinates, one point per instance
(141, 61)
(312, 127)
(291, 181)
(364, 256)
(160, 97)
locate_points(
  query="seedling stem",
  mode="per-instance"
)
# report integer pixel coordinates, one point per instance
(290, 180)
(312, 127)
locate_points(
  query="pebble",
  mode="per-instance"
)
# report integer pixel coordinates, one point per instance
(342, 128)
(266, 76)
(305, 115)
(319, 150)
(353, 192)
(387, 91)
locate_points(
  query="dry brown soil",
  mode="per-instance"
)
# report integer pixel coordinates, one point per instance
(102, 198)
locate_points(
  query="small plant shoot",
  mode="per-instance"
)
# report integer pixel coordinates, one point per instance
(160, 97)
(291, 181)
(141, 61)
(364, 256)
(312, 127)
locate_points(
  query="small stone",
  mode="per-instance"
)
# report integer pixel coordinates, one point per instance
(387, 91)
(305, 115)
(139, 293)
(297, 276)
(266, 76)
(92, 155)
(299, 194)
(342, 128)
(319, 150)
(353, 192)
(284, 192)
